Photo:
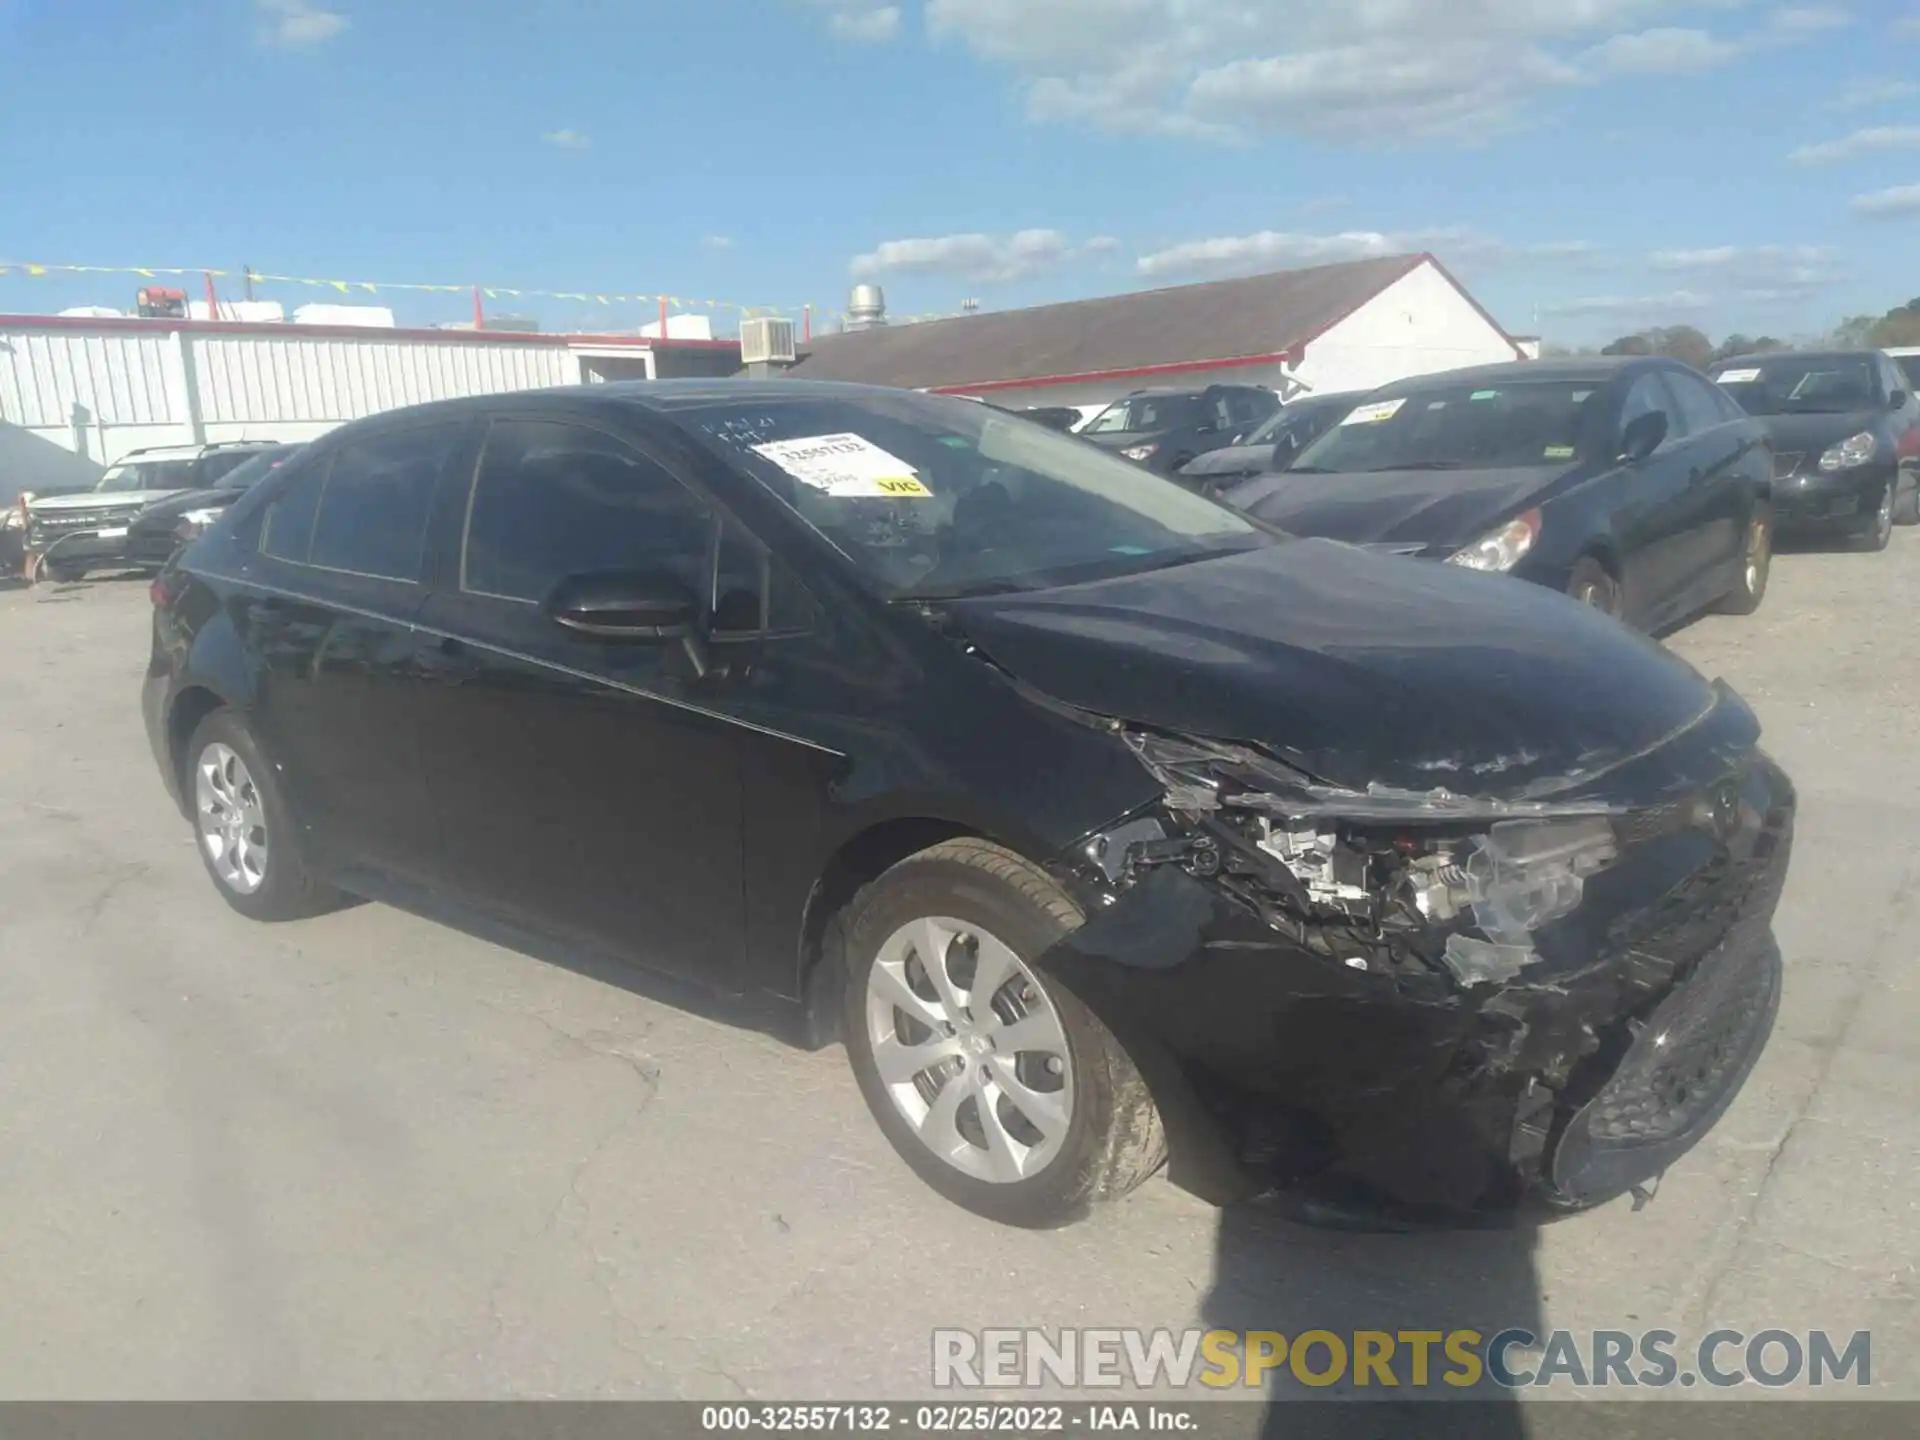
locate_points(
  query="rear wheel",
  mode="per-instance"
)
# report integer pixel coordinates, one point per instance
(1593, 584)
(1756, 563)
(1880, 526)
(249, 839)
(990, 1079)
(1906, 508)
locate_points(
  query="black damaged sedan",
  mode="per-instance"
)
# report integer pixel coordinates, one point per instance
(1088, 812)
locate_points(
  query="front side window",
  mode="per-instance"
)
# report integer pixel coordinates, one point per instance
(553, 499)
(147, 475)
(1910, 367)
(931, 498)
(1699, 411)
(1466, 424)
(220, 464)
(1648, 396)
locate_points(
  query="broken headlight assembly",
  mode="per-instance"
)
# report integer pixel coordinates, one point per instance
(1378, 880)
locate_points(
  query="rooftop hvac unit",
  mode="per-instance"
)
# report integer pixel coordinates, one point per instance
(766, 341)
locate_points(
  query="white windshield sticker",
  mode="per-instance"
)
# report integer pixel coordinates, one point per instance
(1377, 411)
(845, 466)
(1737, 377)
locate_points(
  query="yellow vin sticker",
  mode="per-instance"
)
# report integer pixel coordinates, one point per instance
(901, 485)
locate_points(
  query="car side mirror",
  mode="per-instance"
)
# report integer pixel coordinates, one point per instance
(1642, 437)
(624, 605)
(1897, 400)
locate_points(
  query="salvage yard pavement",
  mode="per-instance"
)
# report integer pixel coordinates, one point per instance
(368, 1156)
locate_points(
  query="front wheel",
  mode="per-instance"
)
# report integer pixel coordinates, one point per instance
(1593, 584)
(989, 1078)
(1880, 526)
(248, 836)
(1756, 563)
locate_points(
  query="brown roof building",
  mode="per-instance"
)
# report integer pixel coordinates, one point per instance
(1330, 327)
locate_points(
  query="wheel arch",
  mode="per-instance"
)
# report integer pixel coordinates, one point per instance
(190, 706)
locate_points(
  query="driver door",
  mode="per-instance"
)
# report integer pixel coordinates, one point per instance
(1652, 527)
(582, 786)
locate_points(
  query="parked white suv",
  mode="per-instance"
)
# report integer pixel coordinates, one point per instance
(68, 535)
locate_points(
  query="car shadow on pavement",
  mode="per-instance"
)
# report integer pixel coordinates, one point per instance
(1413, 1291)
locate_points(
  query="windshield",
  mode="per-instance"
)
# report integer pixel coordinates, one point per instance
(1469, 425)
(1802, 384)
(1298, 422)
(251, 468)
(147, 475)
(1149, 412)
(932, 498)
(218, 464)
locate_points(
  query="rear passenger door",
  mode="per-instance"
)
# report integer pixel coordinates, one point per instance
(1719, 500)
(328, 609)
(584, 786)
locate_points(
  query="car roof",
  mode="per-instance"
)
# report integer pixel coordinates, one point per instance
(1598, 368)
(1861, 353)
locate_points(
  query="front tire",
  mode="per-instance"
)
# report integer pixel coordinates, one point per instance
(1592, 584)
(1880, 527)
(246, 831)
(1756, 564)
(988, 1077)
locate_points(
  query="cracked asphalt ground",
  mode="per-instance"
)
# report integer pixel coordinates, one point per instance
(369, 1156)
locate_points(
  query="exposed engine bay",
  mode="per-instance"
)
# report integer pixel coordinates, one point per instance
(1443, 887)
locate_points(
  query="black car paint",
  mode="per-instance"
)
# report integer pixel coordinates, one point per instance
(151, 535)
(1300, 421)
(1176, 445)
(1671, 528)
(720, 805)
(1807, 498)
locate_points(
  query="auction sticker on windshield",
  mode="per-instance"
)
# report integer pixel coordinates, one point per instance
(1377, 411)
(1737, 377)
(845, 466)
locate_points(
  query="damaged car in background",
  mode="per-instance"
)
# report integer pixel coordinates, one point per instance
(1098, 819)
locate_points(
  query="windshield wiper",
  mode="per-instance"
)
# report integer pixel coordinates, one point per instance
(1306, 470)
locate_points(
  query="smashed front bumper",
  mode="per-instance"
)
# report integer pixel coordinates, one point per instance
(1580, 1078)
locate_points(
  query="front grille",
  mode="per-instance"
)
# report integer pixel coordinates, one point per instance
(1785, 465)
(61, 522)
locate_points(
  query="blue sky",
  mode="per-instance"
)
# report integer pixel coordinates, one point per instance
(1586, 166)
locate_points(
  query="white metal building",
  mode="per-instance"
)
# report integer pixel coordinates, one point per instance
(1332, 327)
(99, 387)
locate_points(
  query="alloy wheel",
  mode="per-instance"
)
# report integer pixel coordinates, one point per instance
(232, 821)
(969, 1049)
(1759, 555)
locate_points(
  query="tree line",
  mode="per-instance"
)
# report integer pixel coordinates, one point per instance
(1899, 326)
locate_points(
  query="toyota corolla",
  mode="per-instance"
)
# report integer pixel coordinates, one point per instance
(1076, 804)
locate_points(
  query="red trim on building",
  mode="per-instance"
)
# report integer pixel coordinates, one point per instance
(131, 324)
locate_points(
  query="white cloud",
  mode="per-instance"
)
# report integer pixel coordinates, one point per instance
(1886, 204)
(1631, 307)
(1860, 94)
(1663, 52)
(861, 21)
(568, 140)
(1860, 142)
(1805, 19)
(1224, 255)
(716, 242)
(967, 257)
(1756, 271)
(297, 24)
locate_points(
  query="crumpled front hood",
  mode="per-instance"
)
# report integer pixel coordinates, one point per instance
(1232, 460)
(1437, 508)
(1358, 669)
(99, 500)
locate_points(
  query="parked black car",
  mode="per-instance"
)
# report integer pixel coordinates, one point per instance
(1634, 484)
(1164, 429)
(1270, 446)
(164, 526)
(1054, 417)
(1071, 799)
(1845, 427)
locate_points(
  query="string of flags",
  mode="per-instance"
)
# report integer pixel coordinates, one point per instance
(375, 287)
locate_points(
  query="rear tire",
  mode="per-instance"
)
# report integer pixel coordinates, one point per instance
(245, 829)
(1756, 564)
(1594, 585)
(1024, 1109)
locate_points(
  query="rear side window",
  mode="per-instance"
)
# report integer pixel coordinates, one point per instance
(553, 499)
(364, 510)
